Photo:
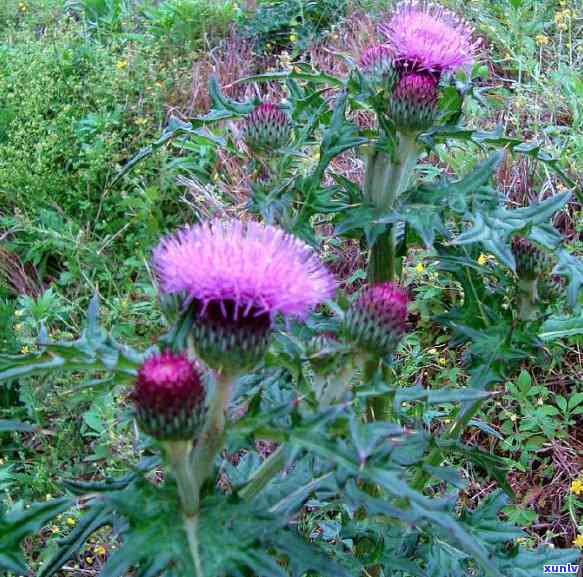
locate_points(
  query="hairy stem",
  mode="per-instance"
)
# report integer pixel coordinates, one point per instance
(179, 456)
(191, 528)
(212, 438)
(384, 182)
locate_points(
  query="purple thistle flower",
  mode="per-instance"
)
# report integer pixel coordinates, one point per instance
(169, 397)
(256, 266)
(426, 36)
(267, 128)
(377, 320)
(237, 276)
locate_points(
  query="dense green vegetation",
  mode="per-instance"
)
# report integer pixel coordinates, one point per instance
(85, 85)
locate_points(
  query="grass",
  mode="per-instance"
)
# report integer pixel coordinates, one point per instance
(84, 85)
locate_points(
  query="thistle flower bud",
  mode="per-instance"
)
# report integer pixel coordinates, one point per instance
(377, 66)
(377, 320)
(267, 128)
(229, 338)
(413, 105)
(531, 262)
(169, 398)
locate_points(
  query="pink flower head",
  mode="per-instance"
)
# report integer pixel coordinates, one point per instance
(426, 36)
(244, 267)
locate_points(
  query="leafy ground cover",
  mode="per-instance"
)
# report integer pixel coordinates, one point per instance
(86, 85)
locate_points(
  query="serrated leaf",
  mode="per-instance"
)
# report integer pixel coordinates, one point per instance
(72, 543)
(16, 525)
(571, 268)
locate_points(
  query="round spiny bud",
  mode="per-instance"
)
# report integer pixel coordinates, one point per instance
(531, 261)
(413, 105)
(169, 397)
(267, 128)
(229, 338)
(377, 66)
(377, 320)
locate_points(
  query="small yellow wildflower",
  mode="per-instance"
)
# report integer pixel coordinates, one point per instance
(293, 37)
(22, 7)
(577, 487)
(578, 542)
(420, 268)
(24, 350)
(141, 121)
(18, 327)
(121, 64)
(19, 313)
(542, 40)
(441, 361)
(89, 560)
(100, 550)
(48, 496)
(513, 417)
(482, 259)
(71, 521)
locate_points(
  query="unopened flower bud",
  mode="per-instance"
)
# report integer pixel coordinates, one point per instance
(377, 66)
(229, 338)
(377, 320)
(169, 397)
(267, 128)
(413, 105)
(531, 261)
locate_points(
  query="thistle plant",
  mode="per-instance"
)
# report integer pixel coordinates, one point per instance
(426, 42)
(352, 432)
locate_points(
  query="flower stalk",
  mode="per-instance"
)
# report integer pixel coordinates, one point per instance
(385, 180)
(213, 435)
(179, 455)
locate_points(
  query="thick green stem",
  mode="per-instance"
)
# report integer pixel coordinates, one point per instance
(212, 438)
(191, 528)
(384, 181)
(179, 457)
(527, 299)
(266, 472)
